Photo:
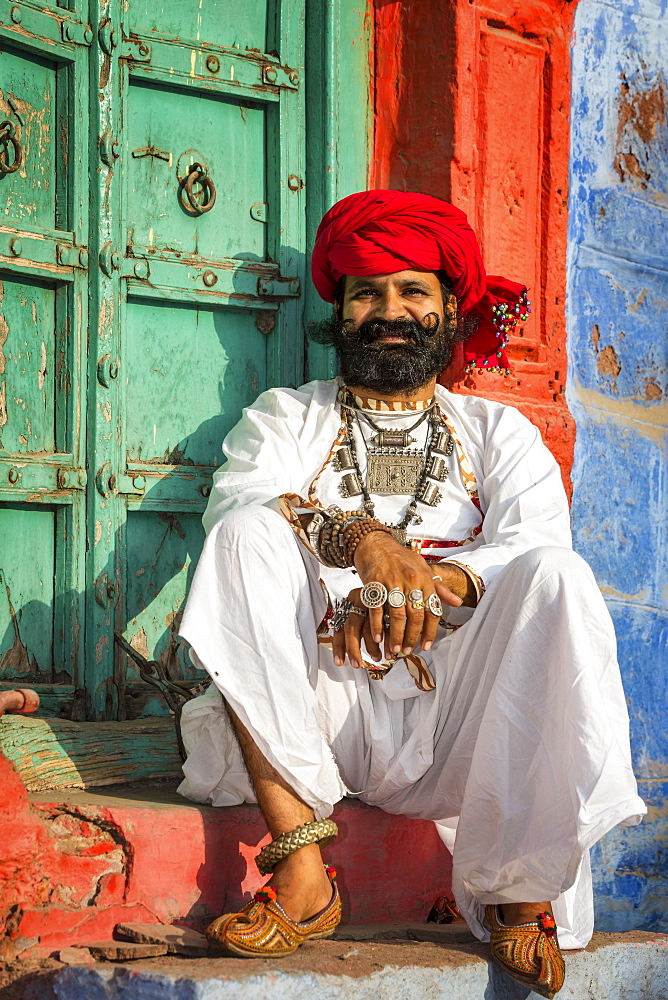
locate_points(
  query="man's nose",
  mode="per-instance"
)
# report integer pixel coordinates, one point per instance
(391, 306)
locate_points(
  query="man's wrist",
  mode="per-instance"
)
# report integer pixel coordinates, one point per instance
(472, 586)
(335, 537)
(374, 537)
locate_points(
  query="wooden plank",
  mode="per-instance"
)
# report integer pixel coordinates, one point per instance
(56, 753)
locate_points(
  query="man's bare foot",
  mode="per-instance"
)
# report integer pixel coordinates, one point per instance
(301, 883)
(522, 913)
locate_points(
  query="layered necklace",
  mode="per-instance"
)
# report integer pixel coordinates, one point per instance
(392, 467)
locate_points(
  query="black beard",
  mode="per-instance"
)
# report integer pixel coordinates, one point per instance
(390, 367)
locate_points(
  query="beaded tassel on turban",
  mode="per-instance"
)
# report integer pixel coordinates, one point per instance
(381, 232)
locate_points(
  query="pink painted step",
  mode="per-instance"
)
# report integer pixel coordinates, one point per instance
(151, 856)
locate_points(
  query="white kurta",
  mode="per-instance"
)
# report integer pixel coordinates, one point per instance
(520, 753)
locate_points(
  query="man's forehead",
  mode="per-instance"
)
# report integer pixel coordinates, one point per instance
(427, 278)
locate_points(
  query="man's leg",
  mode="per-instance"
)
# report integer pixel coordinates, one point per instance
(302, 886)
(251, 618)
(529, 737)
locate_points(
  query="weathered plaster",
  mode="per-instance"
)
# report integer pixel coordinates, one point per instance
(617, 310)
(449, 78)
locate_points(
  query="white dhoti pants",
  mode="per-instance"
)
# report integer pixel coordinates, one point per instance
(520, 754)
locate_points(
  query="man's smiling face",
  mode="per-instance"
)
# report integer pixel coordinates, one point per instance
(393, 332)
(404, 295)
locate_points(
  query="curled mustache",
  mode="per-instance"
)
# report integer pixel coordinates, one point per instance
(409, 329)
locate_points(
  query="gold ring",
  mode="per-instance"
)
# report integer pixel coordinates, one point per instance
(418, 605)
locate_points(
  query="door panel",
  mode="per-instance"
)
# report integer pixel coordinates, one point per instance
(29, 99)
(238, 25)
(43, 299)
(27, 595)
(191, 371)
(509, 188)
(202, 264)
(28, 337)
(163, 549)
(221, 133)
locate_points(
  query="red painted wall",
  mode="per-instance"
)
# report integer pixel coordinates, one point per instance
(471, 104)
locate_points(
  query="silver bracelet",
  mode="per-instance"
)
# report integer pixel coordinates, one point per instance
(313, 532)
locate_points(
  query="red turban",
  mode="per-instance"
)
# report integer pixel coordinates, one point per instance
(380, 232)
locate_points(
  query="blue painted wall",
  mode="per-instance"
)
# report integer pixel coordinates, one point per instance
(617, 327)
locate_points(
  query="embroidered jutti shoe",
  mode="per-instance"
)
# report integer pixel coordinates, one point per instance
(262, 929)
(528, 953)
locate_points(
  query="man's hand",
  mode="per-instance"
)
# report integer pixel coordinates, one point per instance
(379, 557)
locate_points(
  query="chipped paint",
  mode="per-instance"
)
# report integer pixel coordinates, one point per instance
(618, 361)
(101, 645)
(641, 115)
(649, 421)
(16, 660)
(41, 371)
(4, 333)
(607, 362)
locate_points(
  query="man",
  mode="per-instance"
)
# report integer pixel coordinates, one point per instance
(424, 536)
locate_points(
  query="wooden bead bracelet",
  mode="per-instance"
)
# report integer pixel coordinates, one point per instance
(354, 533)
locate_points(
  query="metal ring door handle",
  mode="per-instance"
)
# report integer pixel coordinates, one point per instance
(205, 201)
(7, 136)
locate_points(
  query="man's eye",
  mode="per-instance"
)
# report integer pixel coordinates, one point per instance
(365, 293)
(414, 291)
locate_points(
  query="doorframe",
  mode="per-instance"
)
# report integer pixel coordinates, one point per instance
(339, 132)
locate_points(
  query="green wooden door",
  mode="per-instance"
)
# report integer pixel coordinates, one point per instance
(192, 263)
(152, 267)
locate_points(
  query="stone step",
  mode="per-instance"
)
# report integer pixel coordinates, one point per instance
(141, 855)
(631, 966)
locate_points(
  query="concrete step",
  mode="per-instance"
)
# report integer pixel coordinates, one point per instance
(630, 966)
(149, 856)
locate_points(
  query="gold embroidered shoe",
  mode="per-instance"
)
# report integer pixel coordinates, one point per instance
(264, 930)
(528, 953)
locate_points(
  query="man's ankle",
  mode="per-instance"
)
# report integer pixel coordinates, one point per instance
(522, 913)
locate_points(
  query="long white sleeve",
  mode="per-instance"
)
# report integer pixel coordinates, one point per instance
(519, 482)
(262, 452)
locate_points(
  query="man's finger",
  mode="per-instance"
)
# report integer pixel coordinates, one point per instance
(376, 623)
(339, 647)
(352, 631)
(447, 596)
(414, 623)
(394, 641)
(430, 627)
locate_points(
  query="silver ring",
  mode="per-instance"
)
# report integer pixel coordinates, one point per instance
(386, 620)
(354, 610)
(396, 598)
(415, 595)
(373, 594)
(342, 609)
(434, 605)
(437, 577)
